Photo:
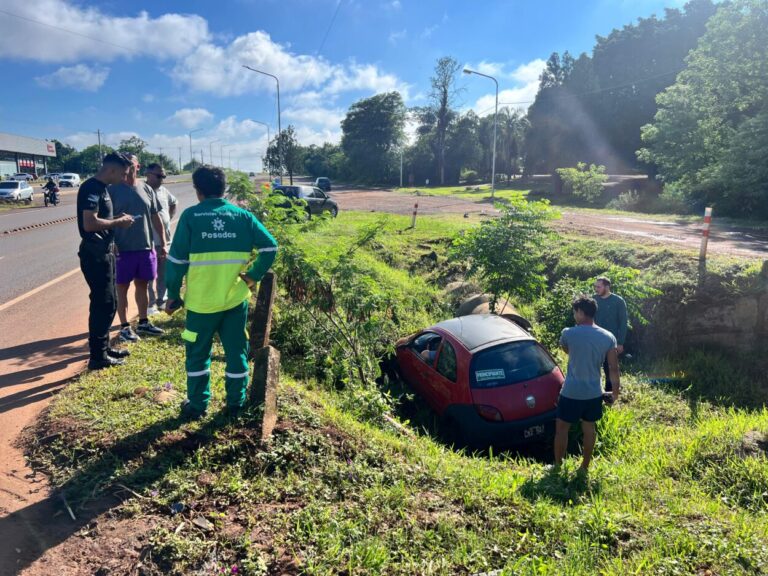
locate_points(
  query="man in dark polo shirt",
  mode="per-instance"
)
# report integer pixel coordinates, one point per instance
(96, 224)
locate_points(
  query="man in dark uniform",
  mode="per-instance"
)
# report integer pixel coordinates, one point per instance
(96, 224)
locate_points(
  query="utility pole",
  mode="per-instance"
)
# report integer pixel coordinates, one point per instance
(180, 166)
(401, 167)
(101, 154)
(202, 158)
(191, 155)
(161, 155)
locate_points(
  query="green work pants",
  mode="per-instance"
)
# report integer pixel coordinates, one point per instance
(198, 336)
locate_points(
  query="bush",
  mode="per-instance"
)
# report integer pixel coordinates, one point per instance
(469, 176)
(585, 182)
(629, 200)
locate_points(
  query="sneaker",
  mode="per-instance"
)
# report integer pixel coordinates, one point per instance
(152, 310)
(128, 335)
(149, 329)
(118, 353)
(106, 362)
(189, 413)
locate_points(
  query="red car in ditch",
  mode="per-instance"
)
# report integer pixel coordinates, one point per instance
(488, 379)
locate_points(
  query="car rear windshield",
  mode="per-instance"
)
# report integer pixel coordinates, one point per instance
(509, 363)
(9, 184)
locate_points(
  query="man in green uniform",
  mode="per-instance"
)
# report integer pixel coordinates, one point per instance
(214, 241)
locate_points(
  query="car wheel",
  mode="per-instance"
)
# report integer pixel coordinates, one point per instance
(334, 211)
(452, 433)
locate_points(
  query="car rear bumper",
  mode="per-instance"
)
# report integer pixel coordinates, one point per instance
(479, 432)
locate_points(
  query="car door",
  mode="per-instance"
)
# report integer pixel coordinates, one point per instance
(417, 361)
(443, 382)
(321, 200)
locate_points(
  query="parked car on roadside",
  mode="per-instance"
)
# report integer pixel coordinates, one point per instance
(323, 183)
(488, 380)
(317, 200)
(52, 175)
(16, 190)
(69, 180)
(23, 176)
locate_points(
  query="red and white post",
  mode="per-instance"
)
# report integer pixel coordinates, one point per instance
(415, 211)
(704, 242)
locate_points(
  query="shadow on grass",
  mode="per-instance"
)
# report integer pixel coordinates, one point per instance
(559, 486)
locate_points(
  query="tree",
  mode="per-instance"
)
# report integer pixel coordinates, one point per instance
(505, 253)
(63, 153)
(444, 95)
(709, 136)
(584, 181)
(284, 154)
(592, 108)
(192, 166)
(372, 132)
(132, 145)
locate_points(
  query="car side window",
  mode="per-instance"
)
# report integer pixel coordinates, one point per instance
(446, 362)
(317, 193)
(425, 346)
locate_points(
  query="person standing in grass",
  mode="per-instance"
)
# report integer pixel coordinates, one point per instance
(136, 256)
(167, 202)
(213, 243)
(612, 316)
(581, 398)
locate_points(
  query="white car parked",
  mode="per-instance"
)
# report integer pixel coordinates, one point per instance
(23, 176)
(16, 190)
(69, 180)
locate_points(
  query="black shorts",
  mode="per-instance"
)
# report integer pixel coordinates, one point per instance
(571, 411)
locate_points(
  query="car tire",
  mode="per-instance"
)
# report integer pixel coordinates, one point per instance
(334, 211)
(452, 433)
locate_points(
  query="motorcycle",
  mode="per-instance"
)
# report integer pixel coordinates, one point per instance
(51, 196)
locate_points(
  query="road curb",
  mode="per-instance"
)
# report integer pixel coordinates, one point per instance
(40, 225)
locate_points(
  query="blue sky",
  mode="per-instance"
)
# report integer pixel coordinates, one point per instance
(160, 69)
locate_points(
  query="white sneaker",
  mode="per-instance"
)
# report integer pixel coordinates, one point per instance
(128, 335)
(152, 310)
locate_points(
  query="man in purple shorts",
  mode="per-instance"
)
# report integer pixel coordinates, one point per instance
(136, 256)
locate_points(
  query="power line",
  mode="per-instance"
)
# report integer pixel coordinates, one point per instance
(67, 30)
(328, 31)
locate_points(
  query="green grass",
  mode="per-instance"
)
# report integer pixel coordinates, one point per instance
(479, 193)
(675, 488)
(671, 491)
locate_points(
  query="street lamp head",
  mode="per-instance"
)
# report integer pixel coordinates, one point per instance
(467, 71)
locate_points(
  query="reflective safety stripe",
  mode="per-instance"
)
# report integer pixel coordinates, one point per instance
(176, 260)
(200, 373)
(271, 249)
(230, 375)
(218, 262)
(189, 336)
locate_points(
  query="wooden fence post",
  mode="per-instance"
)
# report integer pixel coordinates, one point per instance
(266, 359)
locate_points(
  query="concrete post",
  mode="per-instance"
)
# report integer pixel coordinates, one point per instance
(266, 360)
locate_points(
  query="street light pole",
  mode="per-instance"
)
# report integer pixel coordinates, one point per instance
(401, 167)
(279, 125)
(210, 149)
(180, 166)
(191, 154)
(495, 118)
(222, 153)
(263, 124)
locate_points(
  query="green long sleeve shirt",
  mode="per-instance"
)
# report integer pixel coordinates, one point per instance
(612, 316)
(214, 240)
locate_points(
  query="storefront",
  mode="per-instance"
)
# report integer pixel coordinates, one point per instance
(23, 154)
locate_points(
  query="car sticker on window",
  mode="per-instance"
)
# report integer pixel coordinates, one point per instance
(495, 374)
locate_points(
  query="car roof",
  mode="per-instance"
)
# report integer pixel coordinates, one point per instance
(480, 330)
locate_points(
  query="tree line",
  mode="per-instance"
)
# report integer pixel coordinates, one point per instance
(88, 160)
(683, 99)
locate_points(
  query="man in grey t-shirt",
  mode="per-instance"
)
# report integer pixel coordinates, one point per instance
(581, 398)
(168, 205)
(136, 258)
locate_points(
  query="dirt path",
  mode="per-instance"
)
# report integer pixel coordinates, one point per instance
(43, 345)
(724, 240)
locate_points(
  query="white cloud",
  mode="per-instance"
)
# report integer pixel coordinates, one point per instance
(148, 98)
(79, 77)
(59, 31)
(308, 136)
(521, 96)
(394, 5)
(190, 118)
(218, 70)
(318, 117)
(396, 37)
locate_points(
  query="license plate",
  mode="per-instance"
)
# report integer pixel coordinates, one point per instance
(533, 431)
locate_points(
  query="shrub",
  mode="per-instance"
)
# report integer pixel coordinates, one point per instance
(629, 200)
(585, 182)
(505, 252)
(470, 176)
